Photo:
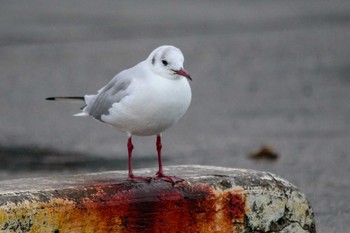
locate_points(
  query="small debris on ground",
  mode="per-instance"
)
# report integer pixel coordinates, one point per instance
(265, 152)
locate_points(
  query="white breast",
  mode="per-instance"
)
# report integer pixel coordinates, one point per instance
(153, 105)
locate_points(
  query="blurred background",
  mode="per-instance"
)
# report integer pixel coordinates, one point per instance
(271, 89)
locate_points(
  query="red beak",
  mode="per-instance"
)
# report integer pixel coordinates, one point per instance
(184, 73)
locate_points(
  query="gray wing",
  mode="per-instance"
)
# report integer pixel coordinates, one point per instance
(112, 93)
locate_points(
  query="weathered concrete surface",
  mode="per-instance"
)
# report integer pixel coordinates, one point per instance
(211, 199)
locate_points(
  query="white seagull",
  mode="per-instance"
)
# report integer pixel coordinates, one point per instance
(143, 100)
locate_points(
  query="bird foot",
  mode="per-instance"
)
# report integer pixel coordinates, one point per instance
(172, 179)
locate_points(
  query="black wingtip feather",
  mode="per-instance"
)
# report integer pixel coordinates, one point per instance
(73, 98)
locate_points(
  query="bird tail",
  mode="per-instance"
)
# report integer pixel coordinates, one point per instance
(78, 99)
(72, 99)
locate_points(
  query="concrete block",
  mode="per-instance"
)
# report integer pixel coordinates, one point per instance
(211, 199)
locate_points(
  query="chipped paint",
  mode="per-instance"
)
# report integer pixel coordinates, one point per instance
(205, 203)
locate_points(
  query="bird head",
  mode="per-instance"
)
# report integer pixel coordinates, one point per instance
(167, 61)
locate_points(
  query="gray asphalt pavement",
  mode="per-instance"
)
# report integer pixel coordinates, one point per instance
(273, 73)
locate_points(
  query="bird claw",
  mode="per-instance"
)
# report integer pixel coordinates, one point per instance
(172, 179)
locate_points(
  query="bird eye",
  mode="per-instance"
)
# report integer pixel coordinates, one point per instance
(165, 62)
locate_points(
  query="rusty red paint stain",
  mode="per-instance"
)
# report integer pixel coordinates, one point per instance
(157, 207)
(237, 205)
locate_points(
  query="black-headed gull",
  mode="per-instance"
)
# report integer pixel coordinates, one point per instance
(143, 100)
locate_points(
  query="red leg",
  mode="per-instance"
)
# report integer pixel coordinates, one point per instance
(159, 150)
(160, 174)
(131, 176)
(130, 148)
